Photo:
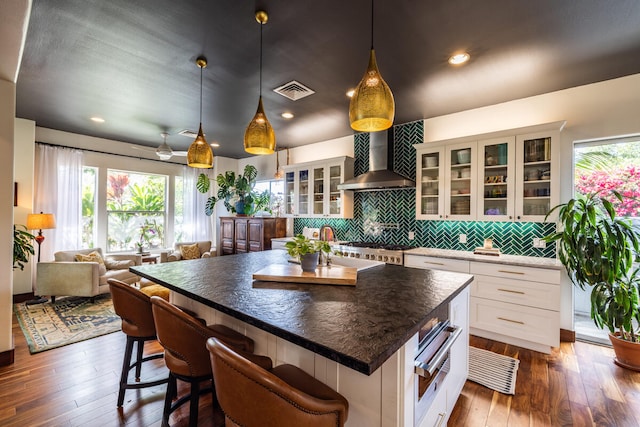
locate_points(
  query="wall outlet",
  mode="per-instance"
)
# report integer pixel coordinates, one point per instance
(463, 238)
(412, 235)
(539, 243)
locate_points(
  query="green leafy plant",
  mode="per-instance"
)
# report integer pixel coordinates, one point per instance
(22, 246)
(231, 189)
(301, 245)
(598, 250)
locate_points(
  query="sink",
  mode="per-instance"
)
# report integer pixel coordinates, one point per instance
(360, 264)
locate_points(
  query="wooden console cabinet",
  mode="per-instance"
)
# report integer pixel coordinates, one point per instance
(249, 234)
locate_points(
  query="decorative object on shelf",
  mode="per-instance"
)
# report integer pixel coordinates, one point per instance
(307, 251)
(463, 156)
(372, 107)
(259, 138)
(22, 246)
(200, 154)
(599, 250)
(235, 191)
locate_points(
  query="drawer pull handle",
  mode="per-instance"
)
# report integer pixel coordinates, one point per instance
(433, 263)
(510, 291)
(512, 321)
(511, 272)
(441, 417)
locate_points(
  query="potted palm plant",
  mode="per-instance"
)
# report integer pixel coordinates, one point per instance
(235, 191)
(22, 246)
(599, 250)
(307, 251)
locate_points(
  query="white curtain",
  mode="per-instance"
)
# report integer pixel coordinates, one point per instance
(58, 181)
(197, 225)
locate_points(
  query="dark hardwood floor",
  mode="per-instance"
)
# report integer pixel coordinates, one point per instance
(76, 385)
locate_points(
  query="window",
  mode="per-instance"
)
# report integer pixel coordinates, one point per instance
(178, 210)
(610, 165)
(136, 210)
(89, 177)
(275, 190)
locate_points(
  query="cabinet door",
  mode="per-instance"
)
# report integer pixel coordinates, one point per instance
(430, 184)
(460, 178)
(304, 192)
(496, 179)
(290, 193)
(335, 197)
(227, 229)
(319, 192)
(537, 184)
(255, 235)
(241, 236)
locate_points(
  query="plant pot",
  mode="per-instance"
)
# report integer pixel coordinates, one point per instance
(309, 262)
(627, 353)
(240, 208)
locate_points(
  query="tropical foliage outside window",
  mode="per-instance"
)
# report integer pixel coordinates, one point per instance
(611, 166)
(135, 207)
(272, 191)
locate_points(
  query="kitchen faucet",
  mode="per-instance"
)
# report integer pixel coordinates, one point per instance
(327, 233)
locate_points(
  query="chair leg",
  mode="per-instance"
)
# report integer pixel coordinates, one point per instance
(125, 370)
(53, 299)
(139, 359)
(195, 399)
(172, 390)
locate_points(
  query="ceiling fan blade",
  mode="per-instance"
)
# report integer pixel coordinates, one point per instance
(180, 153)
(143, 148)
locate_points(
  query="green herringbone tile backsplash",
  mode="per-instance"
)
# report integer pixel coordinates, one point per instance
(398, 208)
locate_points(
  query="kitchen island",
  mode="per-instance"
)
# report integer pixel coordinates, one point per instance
(361, 340)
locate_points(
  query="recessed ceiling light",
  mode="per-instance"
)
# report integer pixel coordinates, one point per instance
(459, 58)
(287, 115)
(214, 144)
(350, 93)
(97, 119)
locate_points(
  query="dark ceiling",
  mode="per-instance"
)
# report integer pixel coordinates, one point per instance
(133, 62)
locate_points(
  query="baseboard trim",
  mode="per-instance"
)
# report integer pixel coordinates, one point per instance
(17, 299)
(7, 357)
(567, 335)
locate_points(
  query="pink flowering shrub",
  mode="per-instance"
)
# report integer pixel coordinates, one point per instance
(625, 181)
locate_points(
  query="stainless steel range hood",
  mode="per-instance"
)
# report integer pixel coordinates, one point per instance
(380, 175)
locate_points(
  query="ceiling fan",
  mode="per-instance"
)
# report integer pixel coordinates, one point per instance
(163, 151)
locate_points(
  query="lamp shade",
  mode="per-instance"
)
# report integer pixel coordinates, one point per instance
(200, 154)
(372, 107)
(41, 221)
(259, 138)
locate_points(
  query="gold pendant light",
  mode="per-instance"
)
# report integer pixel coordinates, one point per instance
(200, 154)
(259, 138)
(372, 107)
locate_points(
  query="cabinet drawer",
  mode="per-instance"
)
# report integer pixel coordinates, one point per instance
(435, 263)
(534, 294)
(527, 323)
(532, 274)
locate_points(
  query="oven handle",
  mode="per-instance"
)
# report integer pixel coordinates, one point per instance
(426, 369)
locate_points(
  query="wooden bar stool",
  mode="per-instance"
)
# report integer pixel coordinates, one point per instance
(185, 354)
(134, 308)
(252, 396)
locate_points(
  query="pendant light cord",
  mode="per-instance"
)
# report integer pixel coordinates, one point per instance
(261, 25)
(371, 24)
(201, 95)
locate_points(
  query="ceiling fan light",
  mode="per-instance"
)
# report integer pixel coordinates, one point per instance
(372, 107)
(164, 151)
(200, 154)
(259, 138)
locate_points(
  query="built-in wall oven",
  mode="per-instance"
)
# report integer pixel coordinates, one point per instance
(432, 360)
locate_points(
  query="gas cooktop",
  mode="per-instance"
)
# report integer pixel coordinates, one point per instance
(373, 245)
(391, 254)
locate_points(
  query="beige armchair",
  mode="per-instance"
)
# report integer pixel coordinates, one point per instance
(204, 250)
(66, 276)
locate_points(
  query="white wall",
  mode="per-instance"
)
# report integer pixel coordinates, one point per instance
(23, 157)
(7, 114)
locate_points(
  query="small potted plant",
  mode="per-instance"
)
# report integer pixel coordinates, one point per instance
(307, 251)
(22, 246)
(599, 250)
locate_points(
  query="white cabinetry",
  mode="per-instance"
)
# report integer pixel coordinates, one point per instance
(510, 176)
(517, 305)
(311, 189)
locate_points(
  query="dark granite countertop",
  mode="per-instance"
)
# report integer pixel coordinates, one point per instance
(359, 327)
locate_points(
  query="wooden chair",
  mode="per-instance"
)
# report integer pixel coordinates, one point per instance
(134, 308)
(251, 395)
(185, 354)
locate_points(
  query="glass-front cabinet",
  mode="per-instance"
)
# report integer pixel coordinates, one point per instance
(430, 184)
(496, 178)
(314, 189)
(460, 181)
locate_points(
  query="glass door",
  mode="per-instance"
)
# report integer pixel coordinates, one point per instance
(303, 192)
(460, 177)
(496, 180)
(289, 193)
(430, 169)
(318, 191)
(335, 178)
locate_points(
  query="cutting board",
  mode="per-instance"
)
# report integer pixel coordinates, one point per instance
(292, 273)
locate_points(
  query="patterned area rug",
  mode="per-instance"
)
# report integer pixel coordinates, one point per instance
(69, 320)
(492, 370)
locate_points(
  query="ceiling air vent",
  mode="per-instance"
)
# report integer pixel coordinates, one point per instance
(188, 133)
(294, 90)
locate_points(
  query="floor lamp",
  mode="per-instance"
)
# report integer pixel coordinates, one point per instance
(41, 221)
